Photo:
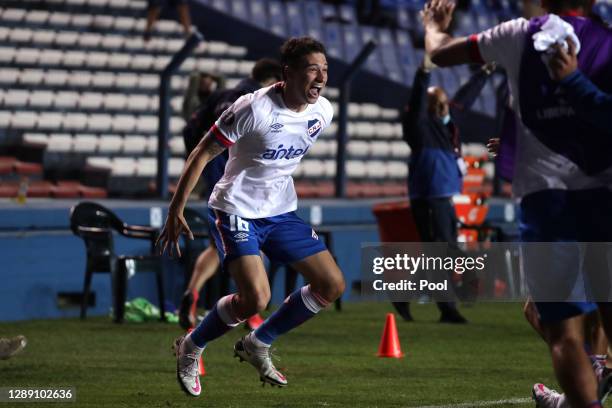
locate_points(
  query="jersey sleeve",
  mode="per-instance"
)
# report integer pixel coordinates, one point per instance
(502, 44)
(235, 122)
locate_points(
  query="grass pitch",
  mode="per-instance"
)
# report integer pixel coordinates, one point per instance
(329, 362)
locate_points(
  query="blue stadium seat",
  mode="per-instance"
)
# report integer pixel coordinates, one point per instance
(374, 62)
(259, 15)
(221, 5)
(278, 21)
(347, 13)
(240, 9)
(333, 40)
(294, 19)
(404, 19)
(352, 41)
(311, 15)
(405, 48)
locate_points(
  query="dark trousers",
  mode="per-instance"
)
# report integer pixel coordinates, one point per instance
(436, 221)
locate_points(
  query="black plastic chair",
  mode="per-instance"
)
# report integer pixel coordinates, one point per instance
(95, 224)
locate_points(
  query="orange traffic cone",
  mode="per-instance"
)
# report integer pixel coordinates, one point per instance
(201, 362)
(254, 322)
(389, 342)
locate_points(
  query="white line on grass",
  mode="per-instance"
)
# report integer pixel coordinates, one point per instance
(512, 401)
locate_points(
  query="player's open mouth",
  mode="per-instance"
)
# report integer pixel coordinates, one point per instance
(315, 91)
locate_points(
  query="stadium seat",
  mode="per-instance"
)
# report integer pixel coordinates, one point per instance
(355, 169)
(175, 166)
(85, 143)
(55, 78)
(9, 76)
(134, 144)
(51, 121)
(123, 166)
(51, 58)
(30, 77)
(43, 37)
(278, 23)
(27, 56)
(60, 142)
(37, 17)
(123, 123)
(66, 100)
(75, 121)
(90, 101)
(397, 170)
(24, 120)
(99, 122)
(376, 169)
(95, 225)
(110, 144)
(358, 148)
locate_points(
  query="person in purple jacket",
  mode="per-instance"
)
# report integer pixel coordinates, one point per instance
(560, 175)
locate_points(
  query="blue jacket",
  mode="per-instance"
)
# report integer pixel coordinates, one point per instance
(433, 170)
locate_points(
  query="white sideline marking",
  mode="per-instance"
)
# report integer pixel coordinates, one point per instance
(512, 401)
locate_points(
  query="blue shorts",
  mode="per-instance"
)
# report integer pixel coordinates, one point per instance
(284, 238)
(564, 217)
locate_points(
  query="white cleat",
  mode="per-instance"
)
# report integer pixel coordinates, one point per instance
(544, 397)
(259, 357)
(187, 368)
(12, 346)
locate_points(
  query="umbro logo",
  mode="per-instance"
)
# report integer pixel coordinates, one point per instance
(314, 235)
(276, 127)
(241, 235)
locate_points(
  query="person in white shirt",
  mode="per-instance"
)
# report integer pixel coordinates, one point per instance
(562, 173)
(252, 208)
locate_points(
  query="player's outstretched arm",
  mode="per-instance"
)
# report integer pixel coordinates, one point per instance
(205, 151)
(443, 48)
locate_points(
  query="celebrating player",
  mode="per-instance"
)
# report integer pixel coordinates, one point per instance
(560, 174)
(252, 209)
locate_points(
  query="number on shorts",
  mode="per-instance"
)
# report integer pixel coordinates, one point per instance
(238, 224)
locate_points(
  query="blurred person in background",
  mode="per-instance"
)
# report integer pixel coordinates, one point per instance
(154, 9)
(561, 176)
(200, 87)
(436, 167)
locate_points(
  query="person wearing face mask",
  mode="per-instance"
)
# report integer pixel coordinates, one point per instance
(436, 167)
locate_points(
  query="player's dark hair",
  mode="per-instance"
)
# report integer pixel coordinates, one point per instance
(266, 68)
(295, 49)
(557, 6)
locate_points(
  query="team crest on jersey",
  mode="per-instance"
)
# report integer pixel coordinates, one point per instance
(314, 127)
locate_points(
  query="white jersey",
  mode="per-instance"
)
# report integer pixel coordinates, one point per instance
(536, 166)
(266, 142)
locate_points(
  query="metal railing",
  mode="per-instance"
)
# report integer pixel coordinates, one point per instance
(342, 136)
(163, 130)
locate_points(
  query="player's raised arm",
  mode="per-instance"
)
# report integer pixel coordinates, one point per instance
(441, 46)
(205, 151)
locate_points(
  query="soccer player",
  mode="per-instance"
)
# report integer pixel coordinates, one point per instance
(252, 209)
(560, 174)
(265, 72)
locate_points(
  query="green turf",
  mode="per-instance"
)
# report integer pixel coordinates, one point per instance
(329, 362)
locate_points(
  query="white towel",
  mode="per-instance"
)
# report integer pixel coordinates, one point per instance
(555, 31)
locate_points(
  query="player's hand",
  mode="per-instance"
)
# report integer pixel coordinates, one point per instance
(563, 63)
(493, 146)
(438, 14)
(169, 237)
